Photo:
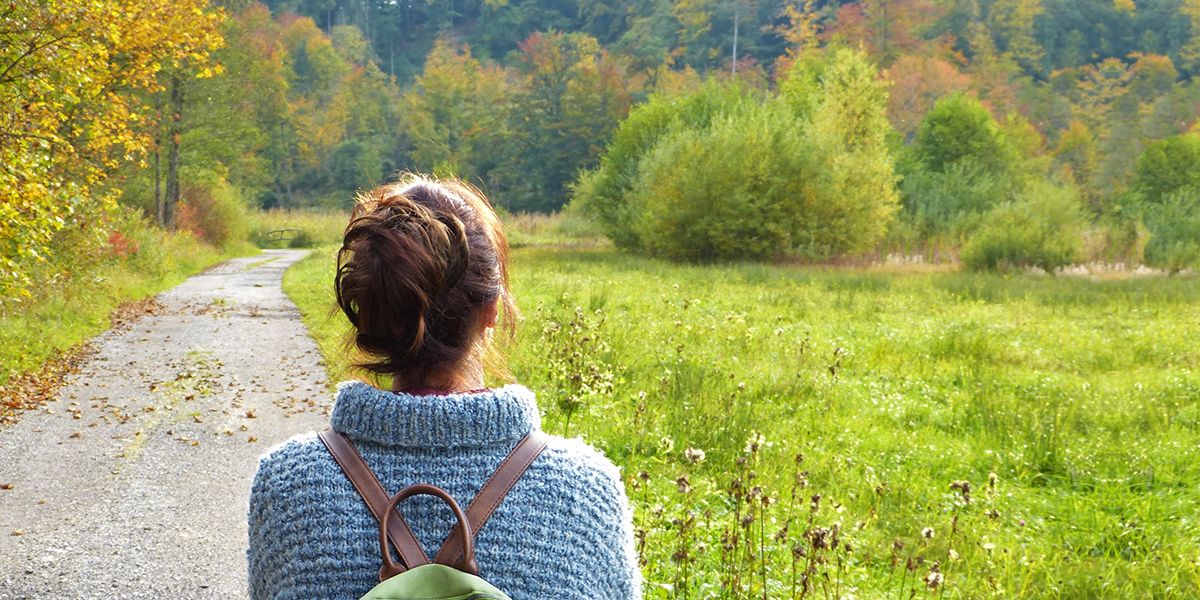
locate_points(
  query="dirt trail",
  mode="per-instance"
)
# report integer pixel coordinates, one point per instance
(133, 483)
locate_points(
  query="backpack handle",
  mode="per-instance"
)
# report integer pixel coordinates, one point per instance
(466, 563)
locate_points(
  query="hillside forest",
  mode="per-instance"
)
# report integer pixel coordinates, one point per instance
(1005, 132)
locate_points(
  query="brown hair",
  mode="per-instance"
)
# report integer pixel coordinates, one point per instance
(420, 261)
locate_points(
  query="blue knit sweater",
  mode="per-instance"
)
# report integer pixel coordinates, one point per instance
(563, 531)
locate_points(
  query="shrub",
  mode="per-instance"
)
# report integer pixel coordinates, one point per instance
(1043, 229)
(711, 176)
(604, 192)
(718, 193)
(952, 202)
(1166, 166)
(213, 211)
(1174, 225)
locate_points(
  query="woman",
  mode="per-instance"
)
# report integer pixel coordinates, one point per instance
(422, 276)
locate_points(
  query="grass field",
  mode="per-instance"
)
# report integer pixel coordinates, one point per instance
(869, 434)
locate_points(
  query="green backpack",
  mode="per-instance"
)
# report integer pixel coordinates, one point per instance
(453, 574)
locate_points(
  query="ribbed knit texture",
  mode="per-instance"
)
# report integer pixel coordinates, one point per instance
(564, 530)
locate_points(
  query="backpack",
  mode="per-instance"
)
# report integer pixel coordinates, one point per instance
(453, 573)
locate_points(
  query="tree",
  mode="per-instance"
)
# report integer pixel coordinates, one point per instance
(456, 115)
(958, 128)
(717, 174)
(573, 94)
(1168, 166)
(1012, 24)
(917, 83)
(70, 114)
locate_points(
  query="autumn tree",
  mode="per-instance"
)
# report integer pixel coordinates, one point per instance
(456, 115)
(572, 95)
(69, 77)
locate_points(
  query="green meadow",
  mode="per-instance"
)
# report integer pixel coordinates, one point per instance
(872, 433)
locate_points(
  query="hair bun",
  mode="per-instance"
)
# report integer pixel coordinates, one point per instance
(418, 263)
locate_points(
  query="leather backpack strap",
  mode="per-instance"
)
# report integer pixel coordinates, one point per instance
(492, 493)
(371, 490)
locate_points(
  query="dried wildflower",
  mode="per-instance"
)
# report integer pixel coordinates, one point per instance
(747, 520)
(683, 484)
(963, 488)
(799, 457)
(756, 491)
(694, 455)
(993, 514)
(819, 538)
(782, 534)
(802, 479)
(992, 478)
(952, 555)
(666, 444)
(927, 533)
(934, 578)
(644, 476)
(754, 442)
(897, 545)
(799, 550)
(816, 502)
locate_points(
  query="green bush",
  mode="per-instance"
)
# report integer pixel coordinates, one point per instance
(718, 193)
(712, 176)
(1043, 229)
(604, 192)
(952, 202)
(1174, 225)
(1166, 166)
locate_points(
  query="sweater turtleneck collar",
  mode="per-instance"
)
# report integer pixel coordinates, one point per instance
(480, 418)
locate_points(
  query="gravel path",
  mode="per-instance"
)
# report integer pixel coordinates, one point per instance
(134, 482)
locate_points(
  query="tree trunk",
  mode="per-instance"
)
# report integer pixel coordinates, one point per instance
(173, 133)
(160, 207)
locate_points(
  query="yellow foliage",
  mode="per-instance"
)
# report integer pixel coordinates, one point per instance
(69, 116)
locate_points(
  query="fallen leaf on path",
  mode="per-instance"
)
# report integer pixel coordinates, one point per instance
(17, 532)
(251, 415)
(251, 440)
(77, 434)
(6, 486)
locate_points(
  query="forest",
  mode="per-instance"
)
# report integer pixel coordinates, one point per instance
(1010, 133)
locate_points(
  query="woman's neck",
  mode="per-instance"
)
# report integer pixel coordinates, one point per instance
(469, 379)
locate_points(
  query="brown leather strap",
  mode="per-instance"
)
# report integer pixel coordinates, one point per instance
(368, 486)
(390, 568)
(492, 493)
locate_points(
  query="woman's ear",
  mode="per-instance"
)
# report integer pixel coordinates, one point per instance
(489, 315)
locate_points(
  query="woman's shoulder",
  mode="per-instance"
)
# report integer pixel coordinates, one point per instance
(575, 463)
(291, 459)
